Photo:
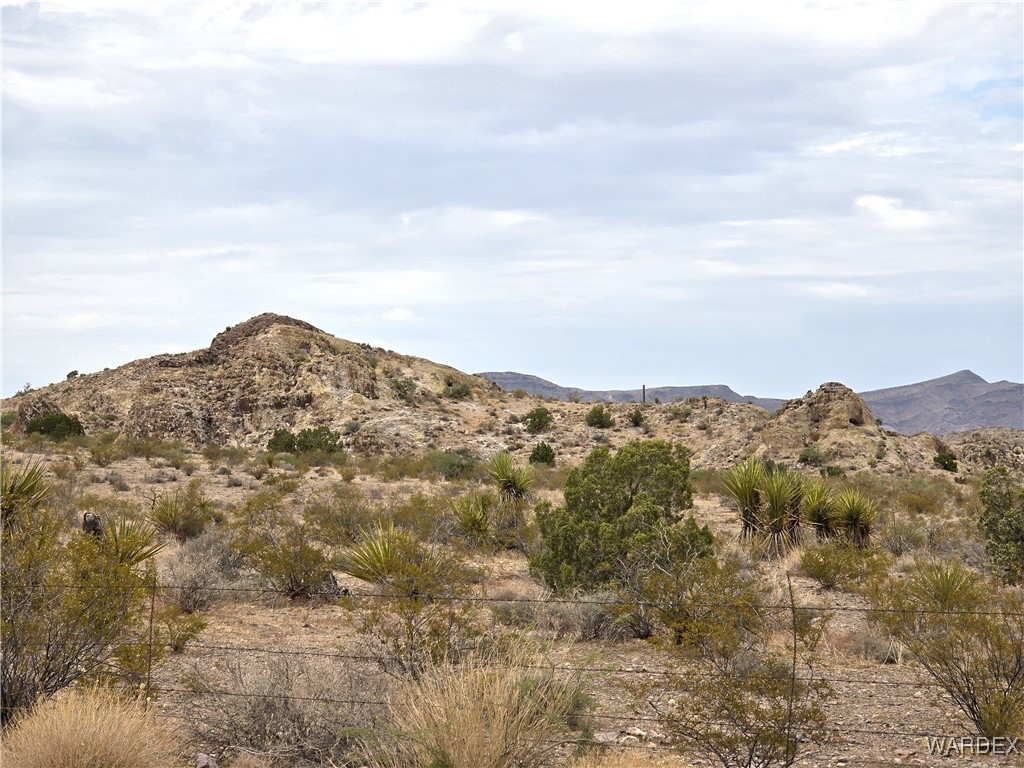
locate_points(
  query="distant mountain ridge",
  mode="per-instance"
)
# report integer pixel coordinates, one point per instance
(959, 402)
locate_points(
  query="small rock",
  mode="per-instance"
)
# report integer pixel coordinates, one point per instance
(205, 761)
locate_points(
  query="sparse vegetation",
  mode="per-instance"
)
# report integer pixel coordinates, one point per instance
(437, 549)
(967, 635)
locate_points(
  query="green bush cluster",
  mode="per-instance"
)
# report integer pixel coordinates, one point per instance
(945, 459)
(599, 417)
(543, 453)
(320, 440)
(1002, 522)
(616, 507)
(56, 426)
(537, 420)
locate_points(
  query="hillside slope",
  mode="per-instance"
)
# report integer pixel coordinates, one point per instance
(273, 372)
(954, 403)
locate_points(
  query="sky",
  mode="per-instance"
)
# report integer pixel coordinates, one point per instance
(602, 194)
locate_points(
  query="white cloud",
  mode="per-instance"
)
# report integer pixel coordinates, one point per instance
(573, 172)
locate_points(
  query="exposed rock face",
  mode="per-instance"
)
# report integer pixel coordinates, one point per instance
(833, 419)
(264, 374)
(274, 371)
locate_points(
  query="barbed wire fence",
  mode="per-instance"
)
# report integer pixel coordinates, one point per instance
(894, 691)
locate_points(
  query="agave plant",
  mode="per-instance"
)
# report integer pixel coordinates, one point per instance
(513, 480)
(742, 484)
(778, 517)
(818, 508)
(856, 514)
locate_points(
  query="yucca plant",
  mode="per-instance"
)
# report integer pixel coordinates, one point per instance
(778, 516)
(184, 513)
(130, 542)
(742, 484)
(818, 508)
(377, 555)
(514, 481)
(472, 513)
(22, 487)
(856, 514)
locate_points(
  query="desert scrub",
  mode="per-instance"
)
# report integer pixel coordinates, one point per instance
(72, 604)
(184, 512)
(543, 453)
(89, 727)
(599, 417)
(496, 712)
(280, 548)
(537, 420)
(303, 710)
(840, 564)
(416, 615)
(966, 633)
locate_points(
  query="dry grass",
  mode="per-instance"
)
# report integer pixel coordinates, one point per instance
(487, 713)
(633, 758)
(88, 728)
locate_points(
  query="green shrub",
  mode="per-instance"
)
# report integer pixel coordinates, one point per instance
(946, 460)
(812, 456)
(966, 633)
(679, 412)
(636, 417)
(455, 389)
(280, 548)
(56, 426)
(598, 417)
(72, 605)
(537, 420)
(1002, 522)
(320, 439)
(614, 506)
(282, 441)
(8, 418)
(543, 453)
(840, 564)
(452, 465)
(404, 388)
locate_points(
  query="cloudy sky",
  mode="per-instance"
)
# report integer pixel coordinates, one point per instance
(768, 196)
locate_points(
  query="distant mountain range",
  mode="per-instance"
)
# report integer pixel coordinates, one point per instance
(955, 403)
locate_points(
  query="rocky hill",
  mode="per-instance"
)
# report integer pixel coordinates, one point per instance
(274, 372)
(955, 403)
